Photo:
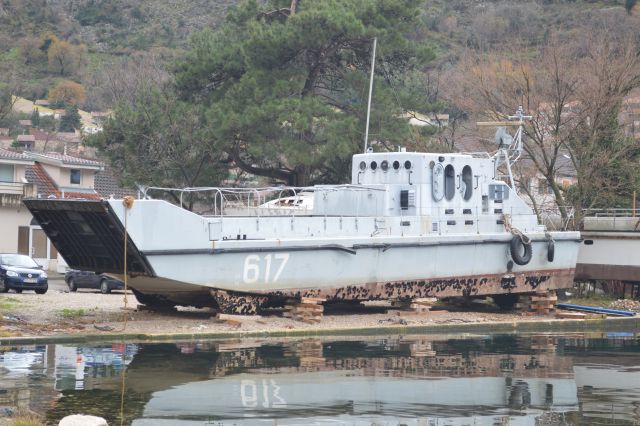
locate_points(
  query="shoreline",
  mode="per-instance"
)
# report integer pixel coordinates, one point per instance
(545, 325)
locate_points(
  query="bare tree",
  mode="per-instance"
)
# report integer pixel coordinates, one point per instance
(572, 93)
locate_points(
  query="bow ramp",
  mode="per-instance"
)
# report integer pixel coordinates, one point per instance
(89, 235)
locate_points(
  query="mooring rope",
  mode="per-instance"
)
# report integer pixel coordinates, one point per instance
(515, 231)
(127, 203)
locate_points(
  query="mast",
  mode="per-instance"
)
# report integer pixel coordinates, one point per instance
(373, 65)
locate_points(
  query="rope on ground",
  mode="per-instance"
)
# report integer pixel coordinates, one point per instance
(514, 231)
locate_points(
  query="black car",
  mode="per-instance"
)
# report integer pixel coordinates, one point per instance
(20, 272)
(87, 279)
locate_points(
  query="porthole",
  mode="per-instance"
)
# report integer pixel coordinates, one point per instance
(384, 165)
(396, 165)
(374, 165)
(449, 182)
(407, 164)
(363, 166)
(466, 186)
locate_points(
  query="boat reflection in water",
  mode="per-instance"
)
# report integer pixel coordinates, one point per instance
(502, 379)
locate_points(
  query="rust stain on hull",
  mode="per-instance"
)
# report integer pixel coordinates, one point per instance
(476, 285)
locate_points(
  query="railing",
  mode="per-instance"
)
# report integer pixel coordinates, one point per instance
(611, 213)
(12, 193)
(13, 188)
(251, 201)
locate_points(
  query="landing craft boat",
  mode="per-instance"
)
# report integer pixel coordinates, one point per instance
(410, 225)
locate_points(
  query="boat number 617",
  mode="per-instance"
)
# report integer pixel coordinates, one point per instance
(267, 268)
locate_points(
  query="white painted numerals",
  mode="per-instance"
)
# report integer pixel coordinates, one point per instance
(258, 267)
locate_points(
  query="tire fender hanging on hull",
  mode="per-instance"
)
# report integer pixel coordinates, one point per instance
(521, 250)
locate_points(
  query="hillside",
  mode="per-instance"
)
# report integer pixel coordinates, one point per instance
(100, 33)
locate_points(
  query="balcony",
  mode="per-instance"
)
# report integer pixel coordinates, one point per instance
(12, 193)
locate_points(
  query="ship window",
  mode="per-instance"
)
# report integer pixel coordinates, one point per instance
(384, 165)
(407, 164)
(466, 187)
(374, 165)
(363, 165)
(449, 182)
(396, 165)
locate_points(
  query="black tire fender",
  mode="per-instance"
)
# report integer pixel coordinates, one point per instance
(551, 250)
(517, 247)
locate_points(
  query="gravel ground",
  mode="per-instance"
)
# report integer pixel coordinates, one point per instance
(89, 312)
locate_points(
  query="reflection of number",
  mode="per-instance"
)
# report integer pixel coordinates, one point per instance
(249, 394)
(252, 273)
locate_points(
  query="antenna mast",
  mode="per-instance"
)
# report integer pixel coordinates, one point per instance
(509, 147)
(373, 65)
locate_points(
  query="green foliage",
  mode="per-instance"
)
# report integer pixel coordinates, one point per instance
(156, 141)
(287, 94)
(8, 303)
(35, 118)
(72, 313)
(100, 11)
(70, 120)
(47, 123)
(629, 5)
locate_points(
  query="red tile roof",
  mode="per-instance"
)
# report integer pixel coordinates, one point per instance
(46, 187)
(41, 135)
(68, 159)
(26, 138)
(6, 154)
(83, 195)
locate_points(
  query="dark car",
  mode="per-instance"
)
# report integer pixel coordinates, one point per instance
(87, 279)
(20, 272)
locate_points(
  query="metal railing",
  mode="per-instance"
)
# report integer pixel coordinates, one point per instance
(611, 212)
(251, 201)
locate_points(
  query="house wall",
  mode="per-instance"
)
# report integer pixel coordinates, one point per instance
(10, 220)
(54, 172)
(63, 176)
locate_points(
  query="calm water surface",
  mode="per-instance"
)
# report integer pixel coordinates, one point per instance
(563, 379)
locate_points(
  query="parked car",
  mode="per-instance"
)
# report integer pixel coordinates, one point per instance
(20, 272)
(87, 279)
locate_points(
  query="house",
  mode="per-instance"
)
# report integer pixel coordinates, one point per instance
(15, 219)
(41, 102)
(26, 142)
(25, 123)
(42, 175)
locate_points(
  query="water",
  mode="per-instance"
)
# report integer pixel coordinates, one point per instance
(563, 379)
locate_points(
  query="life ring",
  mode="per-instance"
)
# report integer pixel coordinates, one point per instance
(551, 250)
(517, 247)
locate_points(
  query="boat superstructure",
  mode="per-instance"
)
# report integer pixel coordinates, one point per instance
(408, 225)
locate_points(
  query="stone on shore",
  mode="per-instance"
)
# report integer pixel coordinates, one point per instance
(82, 420)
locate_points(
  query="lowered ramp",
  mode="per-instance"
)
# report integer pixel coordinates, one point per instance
(89, 235)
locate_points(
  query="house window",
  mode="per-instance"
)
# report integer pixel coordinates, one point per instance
(6, 172)
(544, 187)
(74, 176)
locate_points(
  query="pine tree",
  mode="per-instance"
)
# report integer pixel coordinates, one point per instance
(35, 118)
(70, 120)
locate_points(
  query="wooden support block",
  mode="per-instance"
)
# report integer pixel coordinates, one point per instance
(229, 319)
(314, 300)
(428, 301)
(544, 299)
(570, 315)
